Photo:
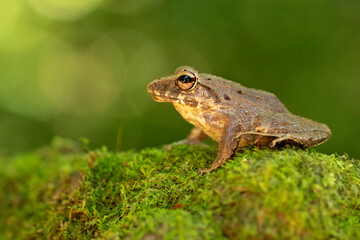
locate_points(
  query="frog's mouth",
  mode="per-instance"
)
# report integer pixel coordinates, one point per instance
(160, 98)
(163, 98)
(186, 102)
(160, 93)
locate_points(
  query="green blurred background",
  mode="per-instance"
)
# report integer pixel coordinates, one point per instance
(80, 68)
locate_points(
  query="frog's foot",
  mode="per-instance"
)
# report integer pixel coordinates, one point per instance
(284, 138)
(279, 139)
(190, 142)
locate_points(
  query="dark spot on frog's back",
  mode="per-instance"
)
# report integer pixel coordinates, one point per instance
(239, 92)
(226, 97)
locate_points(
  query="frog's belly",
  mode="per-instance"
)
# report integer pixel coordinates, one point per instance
(209, 122)
(211, 125)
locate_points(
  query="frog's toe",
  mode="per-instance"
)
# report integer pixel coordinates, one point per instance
(198, 143)
(172, 145)
(279, 139)
(287, 139)
(204, 170)
(168, 146)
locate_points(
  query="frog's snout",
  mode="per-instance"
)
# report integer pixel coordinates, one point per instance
(156, 89)
(152, 86)
(163, 90)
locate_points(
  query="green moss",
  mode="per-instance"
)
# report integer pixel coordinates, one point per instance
(157, 194)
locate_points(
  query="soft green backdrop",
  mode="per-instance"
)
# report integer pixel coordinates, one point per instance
(80, 68)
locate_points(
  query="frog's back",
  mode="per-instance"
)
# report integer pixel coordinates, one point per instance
(242, 99)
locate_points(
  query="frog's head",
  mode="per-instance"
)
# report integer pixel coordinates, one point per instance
(186, 87)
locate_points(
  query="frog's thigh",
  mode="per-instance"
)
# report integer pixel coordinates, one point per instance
(252, 138)
(283, 127)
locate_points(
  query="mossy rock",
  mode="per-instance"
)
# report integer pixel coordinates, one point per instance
(59, 192)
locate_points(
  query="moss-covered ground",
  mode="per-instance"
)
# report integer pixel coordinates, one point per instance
(60, 192)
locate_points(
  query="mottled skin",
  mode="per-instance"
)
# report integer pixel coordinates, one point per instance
(234, 115)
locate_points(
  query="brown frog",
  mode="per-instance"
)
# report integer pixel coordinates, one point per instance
(233, 115)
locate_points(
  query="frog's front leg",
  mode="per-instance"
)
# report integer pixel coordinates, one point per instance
(228, 143)
(195, 138)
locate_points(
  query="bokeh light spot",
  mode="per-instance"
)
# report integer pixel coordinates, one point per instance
(58, 71)
(98, 85)
(131, 7)
(144, 67)
(9, 13)
(64, 9)
(81, 83)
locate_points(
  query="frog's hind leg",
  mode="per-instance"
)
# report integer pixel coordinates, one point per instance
(269, 140)
(256, 139)
(285, 138)
(291, 129)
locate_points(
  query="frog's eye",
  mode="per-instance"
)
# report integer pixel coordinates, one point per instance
(186, 80)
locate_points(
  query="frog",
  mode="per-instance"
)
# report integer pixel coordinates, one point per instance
(235, 116)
